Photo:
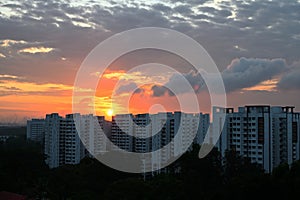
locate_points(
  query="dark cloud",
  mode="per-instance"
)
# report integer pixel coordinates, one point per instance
(159, 91)
(211, 10)
(178, 86)
(266, 29)
(12, 6)
(139, 91)
(200, 16)
(240, 74)
(183, 9)
(225, 13)
(162, 7)
(190, 2)
(290, 80)
(248, 72)
(126, 88)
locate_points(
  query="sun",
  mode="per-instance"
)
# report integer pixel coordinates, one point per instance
(109, 112)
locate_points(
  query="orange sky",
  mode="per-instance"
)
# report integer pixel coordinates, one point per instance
(27, 99)
(21, 99)
(143, 102)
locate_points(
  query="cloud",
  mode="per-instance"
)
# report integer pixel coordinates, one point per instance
(176, 84)
(59, 25)
(183, 9)
(10, 77)
(248, 72)
(126, 88)
(268, 86)
(227, 30)
(8, 42)
(162, 7)
(291, 80)
(34, 50)
(139, 91)
(14, 85)
(10, 88)
(159, 91)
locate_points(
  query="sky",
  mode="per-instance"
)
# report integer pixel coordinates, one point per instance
(255, 44)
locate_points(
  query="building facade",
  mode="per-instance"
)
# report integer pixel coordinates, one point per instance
(268, 136)
(36, 130)
(64, 145)
(265, 135)
(143, 133)
(52, 140)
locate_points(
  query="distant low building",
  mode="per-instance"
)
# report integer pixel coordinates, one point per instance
(36, 130)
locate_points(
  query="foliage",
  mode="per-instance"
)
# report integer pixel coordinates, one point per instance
(23, 171)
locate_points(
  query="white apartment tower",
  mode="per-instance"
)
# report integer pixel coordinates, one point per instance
(203, 128)
(121, 125)
(91, 129)
(52, 140)
(265, 135)
(144, 133)
(63, 144)
(71, 149)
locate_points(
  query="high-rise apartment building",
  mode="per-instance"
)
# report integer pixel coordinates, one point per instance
(52, 140)
(71, 149)
(265, 135)
(122, 125)
(144, 133)
(63, 143)
(91, 128)
(203, 128)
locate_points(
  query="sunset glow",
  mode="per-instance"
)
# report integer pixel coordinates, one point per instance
(269, 85)
(110, 112)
